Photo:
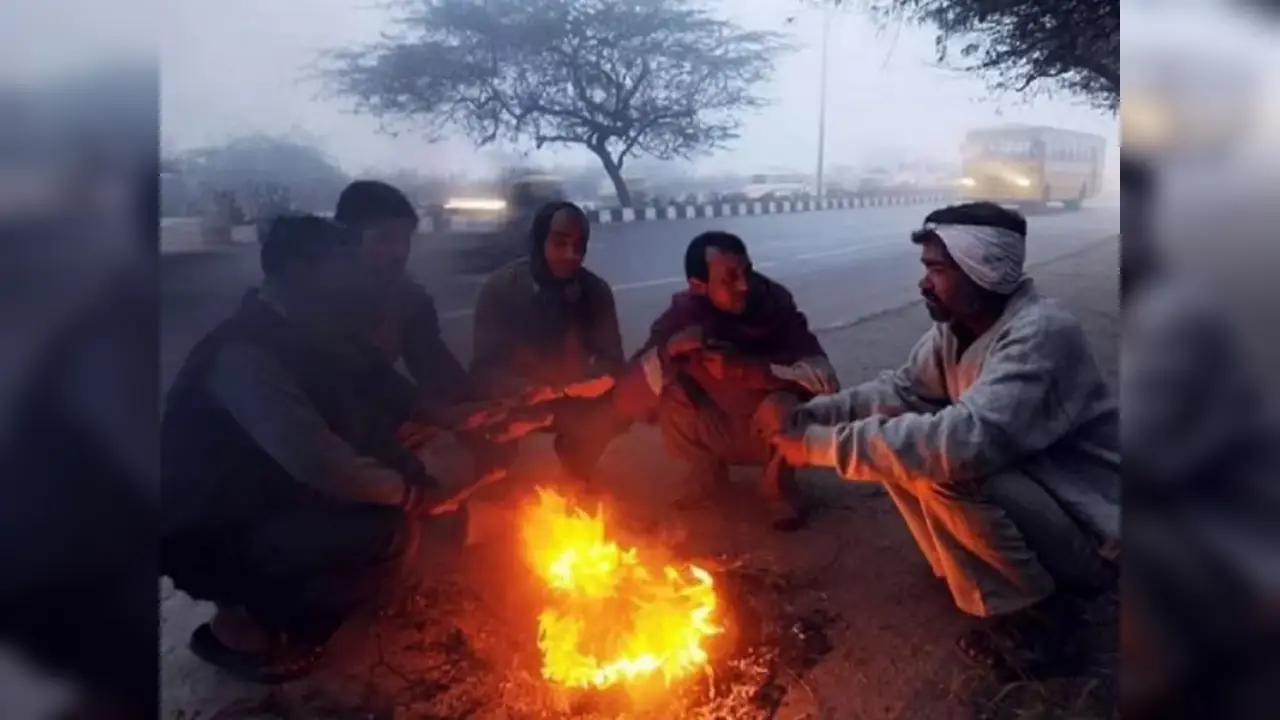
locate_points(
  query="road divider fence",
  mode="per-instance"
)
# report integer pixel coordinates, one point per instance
(190, 235)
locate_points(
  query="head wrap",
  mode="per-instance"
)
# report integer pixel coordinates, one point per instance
(993, 257)
(559, 305)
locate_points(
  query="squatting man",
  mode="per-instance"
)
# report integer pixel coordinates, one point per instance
(997, 440)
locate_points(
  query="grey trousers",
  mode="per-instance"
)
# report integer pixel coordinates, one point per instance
(1002, 544)
(708, 440)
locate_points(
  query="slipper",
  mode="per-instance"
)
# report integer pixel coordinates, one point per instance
(794, 521)
(272, 667)
(980, 649)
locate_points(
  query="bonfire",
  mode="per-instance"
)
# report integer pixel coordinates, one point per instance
(613, 616)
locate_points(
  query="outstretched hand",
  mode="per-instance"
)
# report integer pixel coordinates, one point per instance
(472, 417)
(593, 388)
(790, 445)
(685, 342)
(521, 427)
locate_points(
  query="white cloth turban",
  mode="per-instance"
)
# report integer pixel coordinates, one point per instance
(993, 257)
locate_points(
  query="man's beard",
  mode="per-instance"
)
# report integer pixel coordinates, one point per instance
(937, 312)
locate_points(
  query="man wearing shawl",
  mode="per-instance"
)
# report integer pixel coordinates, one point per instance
(997, 440)
(723, 365)
(544, 323)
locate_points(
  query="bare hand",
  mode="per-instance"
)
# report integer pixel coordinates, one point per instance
(455, 502)
(817, 376)
(521, 427)
(590, 388)
(416, 436)
(472, 417)
(790, 445)
(541, 394)
(715, 364)
(688, 340)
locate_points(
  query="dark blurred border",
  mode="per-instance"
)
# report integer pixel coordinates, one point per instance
(79, 493)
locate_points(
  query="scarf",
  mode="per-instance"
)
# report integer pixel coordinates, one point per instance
(756, 331)
(560, 305)
(992, 257)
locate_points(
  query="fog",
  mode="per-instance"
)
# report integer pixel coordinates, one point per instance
(232, 67)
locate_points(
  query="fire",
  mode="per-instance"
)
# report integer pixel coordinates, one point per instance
(611, 618)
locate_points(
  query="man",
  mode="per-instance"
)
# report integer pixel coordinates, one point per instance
(287, 495)
(406, 326)
(997, 440)
(723, 365)
(546, 330)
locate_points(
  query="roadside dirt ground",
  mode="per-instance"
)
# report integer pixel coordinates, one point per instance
(876, 629)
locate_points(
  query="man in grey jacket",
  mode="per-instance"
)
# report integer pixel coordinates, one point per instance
(998, 441)
(288, 498)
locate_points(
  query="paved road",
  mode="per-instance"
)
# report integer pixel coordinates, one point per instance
(841, 265)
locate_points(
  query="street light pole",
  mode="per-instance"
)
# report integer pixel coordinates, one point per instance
(822, 101)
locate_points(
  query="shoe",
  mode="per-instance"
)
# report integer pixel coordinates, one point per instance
(1038, 642)
(793, 519)
(280, 664)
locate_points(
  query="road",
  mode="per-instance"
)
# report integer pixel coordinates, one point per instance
(841, 265)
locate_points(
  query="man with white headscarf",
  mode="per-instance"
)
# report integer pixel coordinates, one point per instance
(998, 441)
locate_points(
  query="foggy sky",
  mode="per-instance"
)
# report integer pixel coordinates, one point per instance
(238, 66)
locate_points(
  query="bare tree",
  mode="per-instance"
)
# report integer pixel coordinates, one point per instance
(1022, 46)
(662, 78)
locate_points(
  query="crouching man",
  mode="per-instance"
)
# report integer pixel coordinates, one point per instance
(723, 366)
(287, 498)
(997, 440)
(543, 324)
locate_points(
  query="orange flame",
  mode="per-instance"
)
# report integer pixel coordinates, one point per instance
(612, 619)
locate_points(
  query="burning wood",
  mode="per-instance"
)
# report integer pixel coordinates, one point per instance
(613, 616)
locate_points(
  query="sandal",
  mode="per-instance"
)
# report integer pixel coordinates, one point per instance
(980, 649)
(1035, 643)
(794, 520)
(272, 667)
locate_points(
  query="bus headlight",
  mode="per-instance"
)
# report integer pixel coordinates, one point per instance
(1021, 181)
(968, 181)
(476, 204)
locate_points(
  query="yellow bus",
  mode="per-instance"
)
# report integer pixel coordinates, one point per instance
(1032, 166)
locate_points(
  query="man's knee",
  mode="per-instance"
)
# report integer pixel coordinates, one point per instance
(331, 539)
(1061, 544)
(680, 420)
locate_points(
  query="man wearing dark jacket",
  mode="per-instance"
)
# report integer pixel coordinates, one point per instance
(722, 366)
(286, 493)
(406, 325)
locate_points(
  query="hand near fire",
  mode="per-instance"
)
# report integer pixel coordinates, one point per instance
(478, 415)
(590, 388)
(593, 388)
(520, 427)
(454, 503)
(686, 342)
(815, 375)
(416, 436)
(789, 445)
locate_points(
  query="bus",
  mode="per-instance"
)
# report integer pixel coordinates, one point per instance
(1032, 166)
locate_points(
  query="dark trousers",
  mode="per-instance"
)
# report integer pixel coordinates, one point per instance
(582, 431)
(301, 571)
(709, 440)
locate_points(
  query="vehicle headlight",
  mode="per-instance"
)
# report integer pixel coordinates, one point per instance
(480, 204)
(1021, 181)
(968, 181)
